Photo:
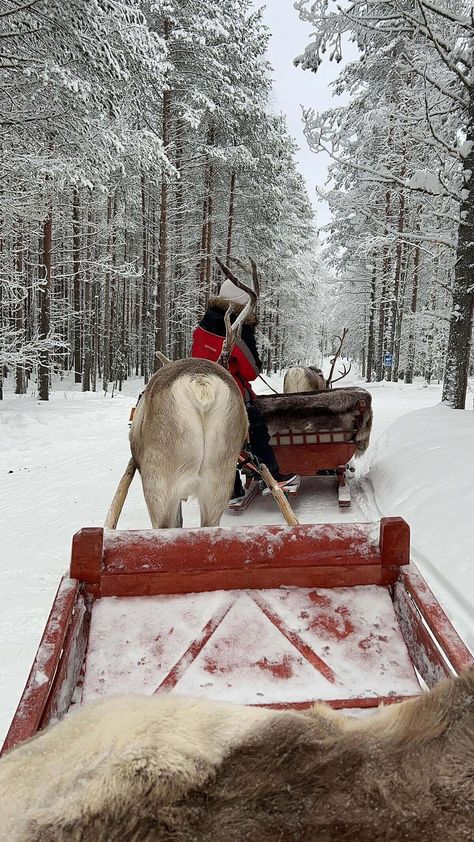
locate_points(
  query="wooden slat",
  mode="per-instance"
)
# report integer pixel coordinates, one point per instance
(70, 665)
(424, 653)
(218, 548)
(453, 647)
(361, 703)
(308, 459)
(153, 584)
(35, 695)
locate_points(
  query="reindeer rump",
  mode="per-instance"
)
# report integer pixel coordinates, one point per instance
(170, 769)
(185, 438)
(335, 409)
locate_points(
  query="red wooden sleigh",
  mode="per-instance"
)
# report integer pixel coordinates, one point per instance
(313, 452)
(276, 616)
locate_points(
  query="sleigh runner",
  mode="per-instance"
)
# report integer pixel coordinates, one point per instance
(270, 616)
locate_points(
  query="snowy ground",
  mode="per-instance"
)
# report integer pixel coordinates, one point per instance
(60, 463)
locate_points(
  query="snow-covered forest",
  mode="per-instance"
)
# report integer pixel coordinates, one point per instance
(137, 143)
(401, 181)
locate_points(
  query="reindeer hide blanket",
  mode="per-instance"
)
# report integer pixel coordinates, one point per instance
(169, 769)
(313, 411)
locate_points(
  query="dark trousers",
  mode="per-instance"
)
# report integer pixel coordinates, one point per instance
(259, 438)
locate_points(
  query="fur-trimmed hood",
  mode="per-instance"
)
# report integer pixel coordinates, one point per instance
(222, 304)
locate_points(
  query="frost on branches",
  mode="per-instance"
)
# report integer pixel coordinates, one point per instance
(137, 144)
(401, 183)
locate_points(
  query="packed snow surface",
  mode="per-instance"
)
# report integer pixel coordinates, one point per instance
(60, 463)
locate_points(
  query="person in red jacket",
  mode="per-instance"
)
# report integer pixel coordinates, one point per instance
(244, 365)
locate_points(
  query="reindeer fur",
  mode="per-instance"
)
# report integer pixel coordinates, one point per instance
(186, 435)
(304, 379)
(334, 409)
(167, 769)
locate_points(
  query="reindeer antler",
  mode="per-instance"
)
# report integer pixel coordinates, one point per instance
(329, 381)
(342, 373)
(233, 331)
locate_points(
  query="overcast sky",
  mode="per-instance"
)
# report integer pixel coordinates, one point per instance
(295, 87)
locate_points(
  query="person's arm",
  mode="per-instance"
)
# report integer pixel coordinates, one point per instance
(248, 337)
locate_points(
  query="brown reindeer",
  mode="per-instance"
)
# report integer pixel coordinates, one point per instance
(187, 432)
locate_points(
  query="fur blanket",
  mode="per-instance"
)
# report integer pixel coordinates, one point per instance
(167, 769)
(329, 410)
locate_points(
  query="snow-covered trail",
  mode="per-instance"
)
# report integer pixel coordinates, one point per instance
(59, 466)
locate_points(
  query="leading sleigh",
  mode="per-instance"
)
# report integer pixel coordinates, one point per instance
(316, 434)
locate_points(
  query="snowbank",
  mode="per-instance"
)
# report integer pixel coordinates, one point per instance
(423, 469)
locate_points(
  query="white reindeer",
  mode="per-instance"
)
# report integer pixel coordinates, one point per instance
(304, 379)
(188, 430)
(309, 378)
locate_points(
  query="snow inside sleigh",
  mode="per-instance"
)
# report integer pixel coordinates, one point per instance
(316, 433)
(267, 616)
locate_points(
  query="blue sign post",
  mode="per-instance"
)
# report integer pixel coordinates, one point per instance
(387, 360)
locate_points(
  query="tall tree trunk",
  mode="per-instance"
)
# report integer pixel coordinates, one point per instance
(160, 322)
(209, 219)
(45, 307)
(371, 330)
(460, 325)
(88, 304)
(231, 217)
(76, 246)
(107, 298)
(379, 364)
(413, 305)
(20, 379)
(395, 303)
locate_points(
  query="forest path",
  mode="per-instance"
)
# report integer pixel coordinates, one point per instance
(59, 466)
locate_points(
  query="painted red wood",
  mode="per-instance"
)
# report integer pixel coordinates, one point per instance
(453, 647)
(218, 548)
(86, 558)
(35, 695)
(297, 642)
(341, 704)
(330, 576)
(308, 459)
(394, 541)
(424, 653)
(192, 651)
(70, 665)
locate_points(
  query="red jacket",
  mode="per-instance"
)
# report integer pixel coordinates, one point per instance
(242, 364)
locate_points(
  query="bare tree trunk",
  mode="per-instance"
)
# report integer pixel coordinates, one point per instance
(160, 322)
(395, 304)
(76, 245)
(20, 380)
(45, 307)
(379, 364)
(88, 304)
(231, 216)
(371, 330)
(107, 300)
(209, 219)
(413, 305)
(460, 326)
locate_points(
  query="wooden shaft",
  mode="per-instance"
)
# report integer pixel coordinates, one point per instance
(162, 357)
(116, 505)
(279, 496)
